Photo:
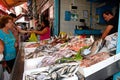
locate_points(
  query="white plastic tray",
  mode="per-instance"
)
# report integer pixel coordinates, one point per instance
(98, 66)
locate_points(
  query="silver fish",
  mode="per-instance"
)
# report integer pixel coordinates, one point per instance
(96, 46)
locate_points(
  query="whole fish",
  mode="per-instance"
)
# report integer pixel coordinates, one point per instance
(96, 46)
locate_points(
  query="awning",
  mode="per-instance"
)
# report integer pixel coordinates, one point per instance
(11, 3)
(21, 20)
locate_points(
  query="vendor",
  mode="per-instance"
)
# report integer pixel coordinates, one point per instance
(44, 31)
(112, 23)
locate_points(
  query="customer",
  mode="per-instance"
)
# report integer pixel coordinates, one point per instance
(112, 23)
(6, 23)
(16, 30)
(44, 31)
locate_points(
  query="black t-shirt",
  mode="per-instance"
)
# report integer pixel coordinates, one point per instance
(114, 22)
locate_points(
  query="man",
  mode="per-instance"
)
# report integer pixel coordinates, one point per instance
(112, 23)
(112, 26)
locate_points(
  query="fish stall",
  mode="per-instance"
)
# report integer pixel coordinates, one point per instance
(66, 57)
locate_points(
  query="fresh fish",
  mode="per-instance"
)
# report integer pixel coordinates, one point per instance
(79, 75)
(96, 46)
(72, 69)
(54, 75)
(29, 55)
(55, 72)
(64, 70)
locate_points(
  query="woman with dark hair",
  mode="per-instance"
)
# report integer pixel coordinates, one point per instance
(44, 31)
(6, 35)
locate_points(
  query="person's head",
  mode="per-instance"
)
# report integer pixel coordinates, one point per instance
(107, 15)
(6, 22)
(1, 46)
(13, 16)
(39, 27)
(32, 28)
(45, 23)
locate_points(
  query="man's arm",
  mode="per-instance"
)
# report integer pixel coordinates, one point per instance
(107, 30)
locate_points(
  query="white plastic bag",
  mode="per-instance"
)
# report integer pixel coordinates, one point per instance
(6, 75)
(1, 72)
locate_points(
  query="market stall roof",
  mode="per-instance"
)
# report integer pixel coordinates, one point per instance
(21, 20)
(11, 3)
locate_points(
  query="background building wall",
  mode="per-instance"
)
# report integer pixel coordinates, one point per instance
(69, 26)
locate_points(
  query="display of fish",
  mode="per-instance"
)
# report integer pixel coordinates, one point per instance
(41, 51)
(95, 58)
(32, 45)
(50, 60)
(66, 71)
(74, 50)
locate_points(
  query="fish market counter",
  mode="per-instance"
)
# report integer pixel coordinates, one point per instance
(106, 72)
(98, 71)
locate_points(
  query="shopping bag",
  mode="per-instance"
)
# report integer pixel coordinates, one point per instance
(1, 72)
(6, 75)
(33, 38)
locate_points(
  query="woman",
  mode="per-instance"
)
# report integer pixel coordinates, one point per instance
(16, 30)
(44, 31)
(6, 23)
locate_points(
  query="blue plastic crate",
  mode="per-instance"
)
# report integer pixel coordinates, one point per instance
(89, 32)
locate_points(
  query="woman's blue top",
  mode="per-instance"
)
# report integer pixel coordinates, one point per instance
(9, 45)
